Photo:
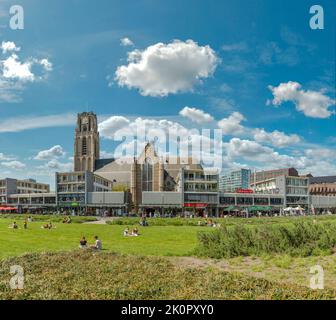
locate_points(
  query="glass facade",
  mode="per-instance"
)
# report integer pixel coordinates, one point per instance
(238, 179)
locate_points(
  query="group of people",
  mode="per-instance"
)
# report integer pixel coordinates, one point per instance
(47, 226)
(96, 246)
(209, 223)
(15, 225)
(133, 233)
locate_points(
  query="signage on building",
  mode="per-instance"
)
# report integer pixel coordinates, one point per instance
(195, 205)
(244, 191)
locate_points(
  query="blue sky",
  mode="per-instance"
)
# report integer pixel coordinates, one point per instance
(244, 47)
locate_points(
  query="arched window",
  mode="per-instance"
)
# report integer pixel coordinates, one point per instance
(147, 175)
(84, 147)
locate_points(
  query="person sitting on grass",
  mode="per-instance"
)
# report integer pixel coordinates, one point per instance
(83, 243)
(67, 220)
(126, 232)
(98, 244)
(135, 232)
(14, 226)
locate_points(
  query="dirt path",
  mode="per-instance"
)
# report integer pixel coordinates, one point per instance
(297, 271)
(100, 220)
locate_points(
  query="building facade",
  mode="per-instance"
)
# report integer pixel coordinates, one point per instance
(234, 180)
(269, 174)
(324, 186)
(10, 186)
(295, 189)
(72, 188)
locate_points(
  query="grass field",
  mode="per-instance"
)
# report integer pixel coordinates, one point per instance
(155, 240)
(164, 252)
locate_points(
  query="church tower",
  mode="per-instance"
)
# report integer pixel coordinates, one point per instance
(86, 149)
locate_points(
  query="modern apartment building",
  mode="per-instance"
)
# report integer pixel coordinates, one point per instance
(234, 180)
(269, 174)
(10, 186)
(72, 188)
(295, 189)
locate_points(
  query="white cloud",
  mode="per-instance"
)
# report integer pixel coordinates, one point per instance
(14, 69)
(9, 46)
(55, 165)
(126, 42)
(276, 138)
(313, 104)
(17, 165)
(46, 64)
(110, 126)
(164, 69)
(232, 124)
(106, 155)
(52, 153)
(15, 73)
(196, 115)
(4, 157)
(266, 156)
(18, 124)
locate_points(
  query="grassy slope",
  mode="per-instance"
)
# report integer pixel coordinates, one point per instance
(86, 275)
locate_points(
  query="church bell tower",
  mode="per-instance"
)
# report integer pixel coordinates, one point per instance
(86, 149)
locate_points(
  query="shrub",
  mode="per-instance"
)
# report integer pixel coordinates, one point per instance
(297, 239)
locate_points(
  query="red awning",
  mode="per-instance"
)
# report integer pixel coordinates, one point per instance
(7, 209)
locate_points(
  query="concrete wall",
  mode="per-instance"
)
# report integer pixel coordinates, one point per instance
(323, 201)
(108, 198)
(162, 198)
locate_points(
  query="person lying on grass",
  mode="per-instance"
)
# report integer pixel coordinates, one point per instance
(98, 244)
(83, 243)
(134, 233)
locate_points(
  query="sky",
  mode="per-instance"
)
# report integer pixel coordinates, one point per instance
(252, 68)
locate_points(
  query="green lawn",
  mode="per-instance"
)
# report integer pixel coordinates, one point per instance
(154, 240)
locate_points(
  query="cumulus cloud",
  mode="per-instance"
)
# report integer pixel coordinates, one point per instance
(164, 69)
(17, 165)
(276, 138)
(196, 115)
(312, 104)
(126, 42)
(266, 156)
(14, 69)
(9, 46)
(110, 126)
(16, 73)
(52, 153)
(232, 124)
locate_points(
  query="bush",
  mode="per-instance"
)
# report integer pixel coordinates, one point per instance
(297, 239)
